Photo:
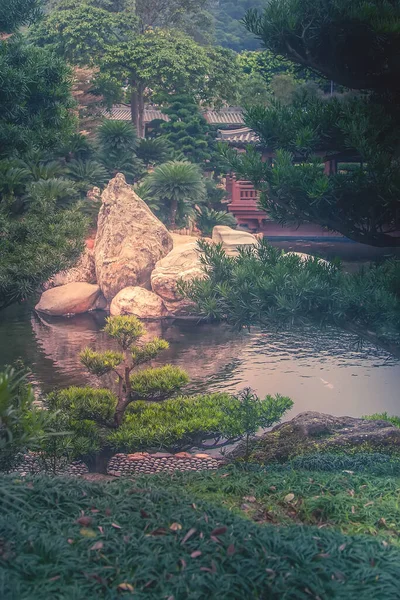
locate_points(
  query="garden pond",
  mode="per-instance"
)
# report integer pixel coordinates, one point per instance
(323, 370)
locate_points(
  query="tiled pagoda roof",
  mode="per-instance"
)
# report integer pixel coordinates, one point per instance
(245, 135)
(231, 116)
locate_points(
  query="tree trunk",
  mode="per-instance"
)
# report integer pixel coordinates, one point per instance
(120, 411)
(99, 461)
(174, 209)
(137, 108)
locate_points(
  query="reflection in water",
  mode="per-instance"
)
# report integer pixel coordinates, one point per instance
(320, 370)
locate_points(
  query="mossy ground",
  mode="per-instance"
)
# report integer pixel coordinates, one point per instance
(242, 532)
(282, 446)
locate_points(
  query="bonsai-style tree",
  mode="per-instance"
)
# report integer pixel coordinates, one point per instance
(146, 411)
(154, 384)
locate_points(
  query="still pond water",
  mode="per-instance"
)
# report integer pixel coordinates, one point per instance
(326, 371)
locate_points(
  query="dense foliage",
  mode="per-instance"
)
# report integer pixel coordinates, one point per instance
(14, 13)
(22, 425)
(79, 539)
(263, 285)
(354, 45)
(229, 28)
(41, 232)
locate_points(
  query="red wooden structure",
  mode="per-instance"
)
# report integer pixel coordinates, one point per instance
(243, 204)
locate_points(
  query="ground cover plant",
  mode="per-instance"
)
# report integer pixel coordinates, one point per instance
(151, 539)
(355, 495)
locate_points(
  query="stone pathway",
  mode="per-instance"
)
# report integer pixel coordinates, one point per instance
(140, 463)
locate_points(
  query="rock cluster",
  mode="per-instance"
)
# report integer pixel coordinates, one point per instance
(130, 240)
(135, 264)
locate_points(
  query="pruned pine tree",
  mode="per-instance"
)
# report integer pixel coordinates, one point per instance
(152, 384)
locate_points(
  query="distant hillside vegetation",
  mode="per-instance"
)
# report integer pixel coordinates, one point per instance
(230, 31)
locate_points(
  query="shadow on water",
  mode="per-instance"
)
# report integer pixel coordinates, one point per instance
(323, 370)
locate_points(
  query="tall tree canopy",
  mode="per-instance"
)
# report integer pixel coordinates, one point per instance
(156, 60)
(38, 236)
(356, 44)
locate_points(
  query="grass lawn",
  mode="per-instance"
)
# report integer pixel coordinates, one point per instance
(235, 534)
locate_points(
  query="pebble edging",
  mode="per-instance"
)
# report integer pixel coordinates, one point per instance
(139, 463)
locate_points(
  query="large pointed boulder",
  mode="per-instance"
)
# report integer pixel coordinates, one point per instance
(130, 240)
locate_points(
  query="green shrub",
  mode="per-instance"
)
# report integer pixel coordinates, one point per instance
(383, 417)
(22, 425)
(129, 543)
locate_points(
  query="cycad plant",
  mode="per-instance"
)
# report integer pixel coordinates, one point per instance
(208, 218)
(154, 151)
(87, 173)
(60, 192)
(117, 143)
(176, 187)
(117, 136)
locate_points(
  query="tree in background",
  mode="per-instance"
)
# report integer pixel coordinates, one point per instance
(80, 32)
(355, 46)
(117, 144)
(142, 63)
(188, 131)
(165, 61)
(189, 16)
(175, 187)
(41, 231)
